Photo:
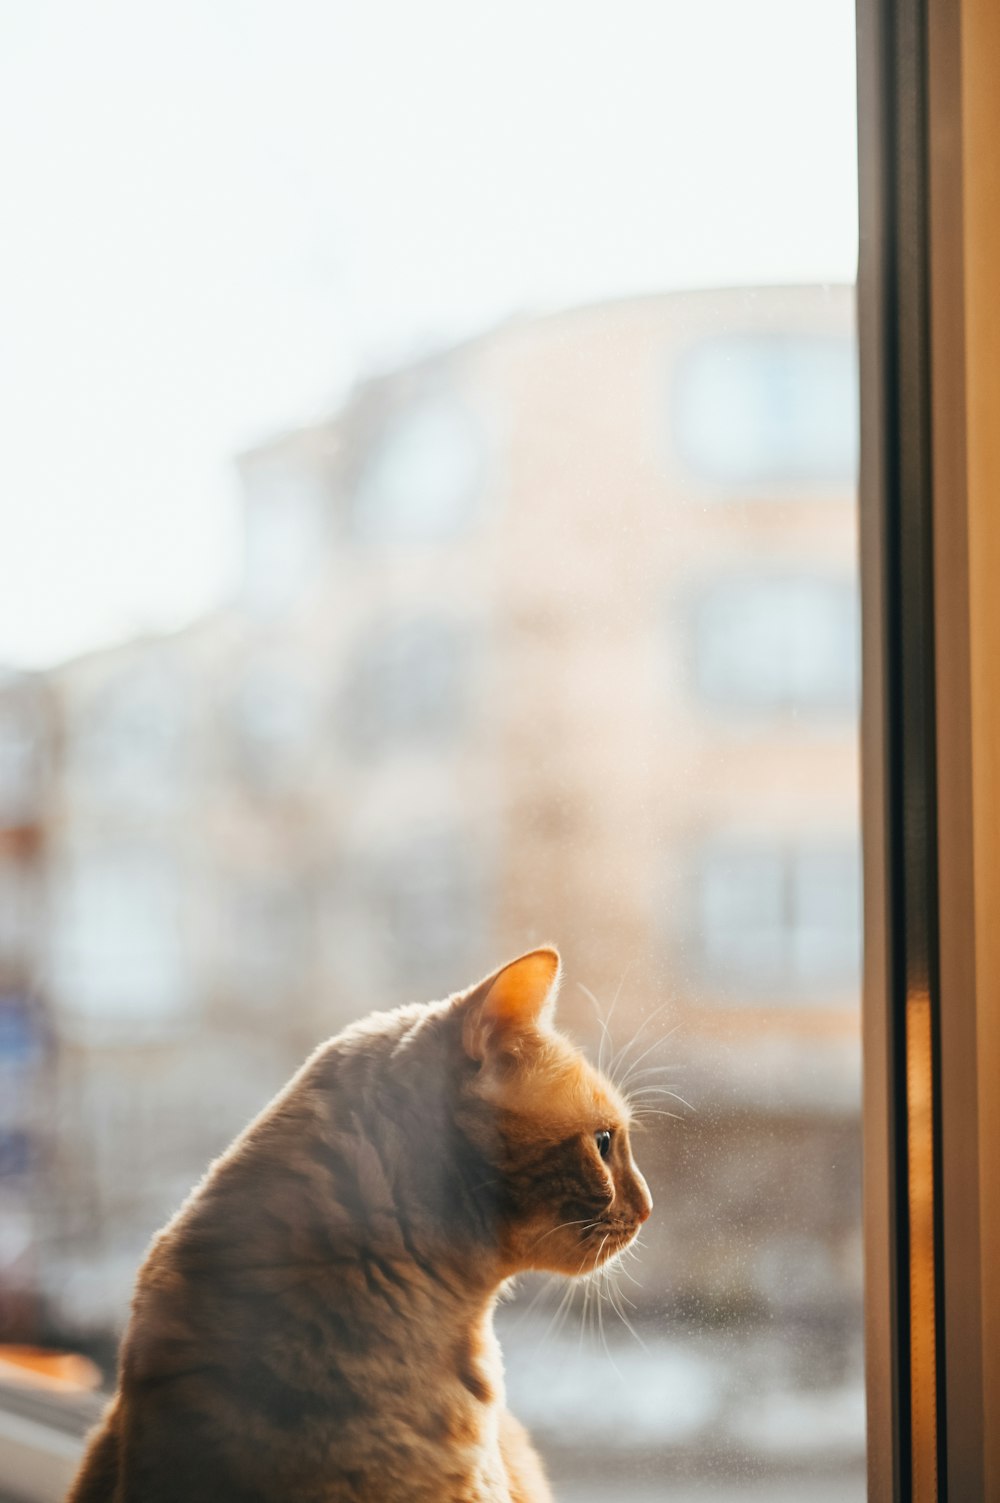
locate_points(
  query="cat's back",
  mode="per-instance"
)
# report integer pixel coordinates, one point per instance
(315, 1325)
(285, 1343)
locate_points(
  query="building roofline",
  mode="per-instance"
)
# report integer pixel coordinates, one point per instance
(376, 375)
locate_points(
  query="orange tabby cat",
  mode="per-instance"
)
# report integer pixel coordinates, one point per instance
(316, 1322)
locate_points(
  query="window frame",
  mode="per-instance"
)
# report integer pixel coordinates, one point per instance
(929, 111)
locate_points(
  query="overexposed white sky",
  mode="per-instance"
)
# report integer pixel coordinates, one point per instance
(217, 212)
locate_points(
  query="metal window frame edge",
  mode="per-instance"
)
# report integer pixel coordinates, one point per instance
(929, 339)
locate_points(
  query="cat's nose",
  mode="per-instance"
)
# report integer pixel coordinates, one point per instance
(643, 1199)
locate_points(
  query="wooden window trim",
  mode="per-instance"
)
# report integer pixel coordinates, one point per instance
(929, 325)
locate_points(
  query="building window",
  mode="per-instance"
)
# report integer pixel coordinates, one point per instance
(21, 917)
(778, 924)
(272, 727)
(269, 938)
(778, 644)
(429, 904)
(422, 478)
(23, 1044)
(22, 754)
(286, 530)
(759, 411)
(130, 739)
(118, 952)
(408, 915)
(408, 686)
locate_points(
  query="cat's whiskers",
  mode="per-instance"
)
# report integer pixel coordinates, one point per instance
(600, 1323)
(619, 1061)
(564, 1306)
(556, 1320)
(540, 1293)
(592, 1285)
(584, 1221)
(633, 1248)
(623, 1253)
(636, 1083)
(616, 1260)
(588, 1290)
(605, 1023)
(605, 1032)
(605, 1288)
(661, 1091)
(615, 1296)
(624, 1298)
(670, 1069)
(575, 1279)
(629, 1073)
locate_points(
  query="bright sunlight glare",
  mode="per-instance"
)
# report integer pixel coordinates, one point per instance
(218, 216)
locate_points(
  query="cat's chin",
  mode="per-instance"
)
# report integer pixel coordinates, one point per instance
(601, 1246)
(613, 1241)
(597, 1248)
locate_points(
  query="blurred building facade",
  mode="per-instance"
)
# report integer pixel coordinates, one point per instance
(549, 636)
(26, 747)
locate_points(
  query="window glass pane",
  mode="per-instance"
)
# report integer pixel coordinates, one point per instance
(25, 735)
(285, 524)
(778, 923)
(407, 686)
(776, 410)
(432, 438)
(127, 740)
(271, 706)
(115, 944)
(421, 476)
(770, 643)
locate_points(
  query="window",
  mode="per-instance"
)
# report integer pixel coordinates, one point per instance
(928, 273)
(20, 916)
(778, 644)
(428, 895)
(546, 631)
(269, 940)
(422, 478)
(23, 1051)
(130, 737)
(272, 727)
(774, 924)
(400, 909)
(768, 412)
(408, 686)
(118, 958)
(286, 527)
(23, 751)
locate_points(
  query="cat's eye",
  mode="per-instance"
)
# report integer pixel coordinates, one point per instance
(603, 1141)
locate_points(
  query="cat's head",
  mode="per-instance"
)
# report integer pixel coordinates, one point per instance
(553, 1129)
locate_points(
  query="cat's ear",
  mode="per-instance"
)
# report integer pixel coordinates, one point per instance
(514, 1000)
